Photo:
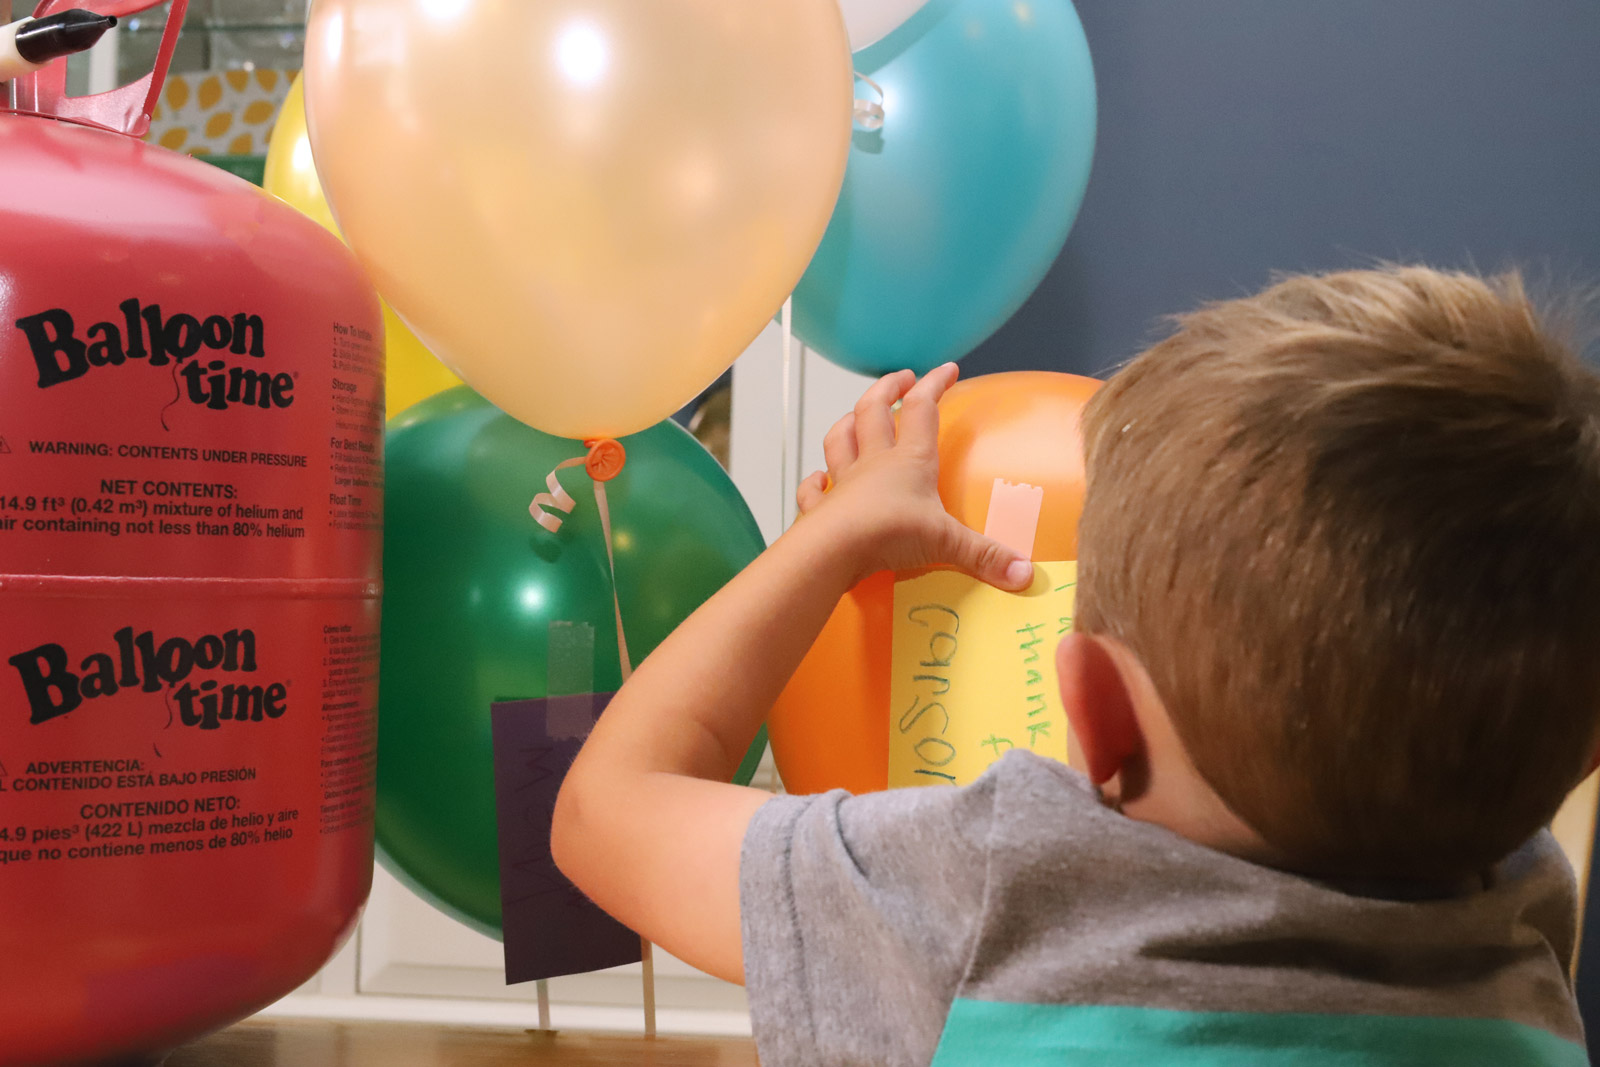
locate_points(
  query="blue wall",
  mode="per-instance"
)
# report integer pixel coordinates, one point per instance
(1242, 137)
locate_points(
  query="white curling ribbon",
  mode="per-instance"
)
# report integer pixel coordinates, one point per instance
(868, 114)
(603, 505)
(557, 498)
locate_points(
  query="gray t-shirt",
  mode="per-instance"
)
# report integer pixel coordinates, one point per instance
(873, 925)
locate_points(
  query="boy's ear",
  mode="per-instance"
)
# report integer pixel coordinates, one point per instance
(1098, 706)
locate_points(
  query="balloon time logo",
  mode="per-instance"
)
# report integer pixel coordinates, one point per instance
(54, 689)
(144, 334)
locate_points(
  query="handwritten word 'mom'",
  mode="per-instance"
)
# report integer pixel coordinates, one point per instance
(934, 751)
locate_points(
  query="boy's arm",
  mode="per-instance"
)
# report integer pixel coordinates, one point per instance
(646, 823)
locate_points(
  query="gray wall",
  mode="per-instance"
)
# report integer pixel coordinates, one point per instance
(1241, 137)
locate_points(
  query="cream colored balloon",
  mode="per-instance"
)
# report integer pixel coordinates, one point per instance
(587, 208)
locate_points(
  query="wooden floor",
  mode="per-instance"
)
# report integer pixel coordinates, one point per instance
(316, 1043)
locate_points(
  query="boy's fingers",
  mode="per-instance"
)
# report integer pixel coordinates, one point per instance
(874, 419)
(935, 382)
(839, 445)
(811, 491)
(986, 560)
(919, 411)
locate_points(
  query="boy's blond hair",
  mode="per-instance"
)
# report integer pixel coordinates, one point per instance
(1351, 526)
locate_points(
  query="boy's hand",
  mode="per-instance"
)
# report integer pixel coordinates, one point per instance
(880, 493)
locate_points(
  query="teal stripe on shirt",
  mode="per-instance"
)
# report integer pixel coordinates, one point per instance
(1034, 1035)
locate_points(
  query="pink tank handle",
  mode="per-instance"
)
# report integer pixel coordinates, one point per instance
(125, 110)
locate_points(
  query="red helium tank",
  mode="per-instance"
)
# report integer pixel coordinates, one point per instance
(191, 488)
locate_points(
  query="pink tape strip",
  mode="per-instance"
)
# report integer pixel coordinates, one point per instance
(1014, 515)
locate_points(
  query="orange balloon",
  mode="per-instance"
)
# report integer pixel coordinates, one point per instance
(830, 728)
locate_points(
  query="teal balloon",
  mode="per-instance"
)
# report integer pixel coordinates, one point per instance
(953, 212)
(471, 587)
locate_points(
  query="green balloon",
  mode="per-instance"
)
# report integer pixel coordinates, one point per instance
(471, 586)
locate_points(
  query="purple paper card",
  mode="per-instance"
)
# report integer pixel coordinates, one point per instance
(550, 927)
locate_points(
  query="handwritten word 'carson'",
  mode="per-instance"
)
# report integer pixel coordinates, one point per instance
(934, 751)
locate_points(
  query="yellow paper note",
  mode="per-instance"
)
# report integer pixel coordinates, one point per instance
(973, 673)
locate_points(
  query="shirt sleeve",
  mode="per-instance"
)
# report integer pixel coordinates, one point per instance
(858, 916)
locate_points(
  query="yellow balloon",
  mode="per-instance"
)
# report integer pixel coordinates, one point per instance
(587, 208)
(411, 373)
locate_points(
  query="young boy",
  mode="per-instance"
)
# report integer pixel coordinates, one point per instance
(1337, 663)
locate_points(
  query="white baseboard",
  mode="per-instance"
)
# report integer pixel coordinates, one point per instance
(523, 1016)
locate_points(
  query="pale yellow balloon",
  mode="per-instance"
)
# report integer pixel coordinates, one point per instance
(587, 208)
(411, 373)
